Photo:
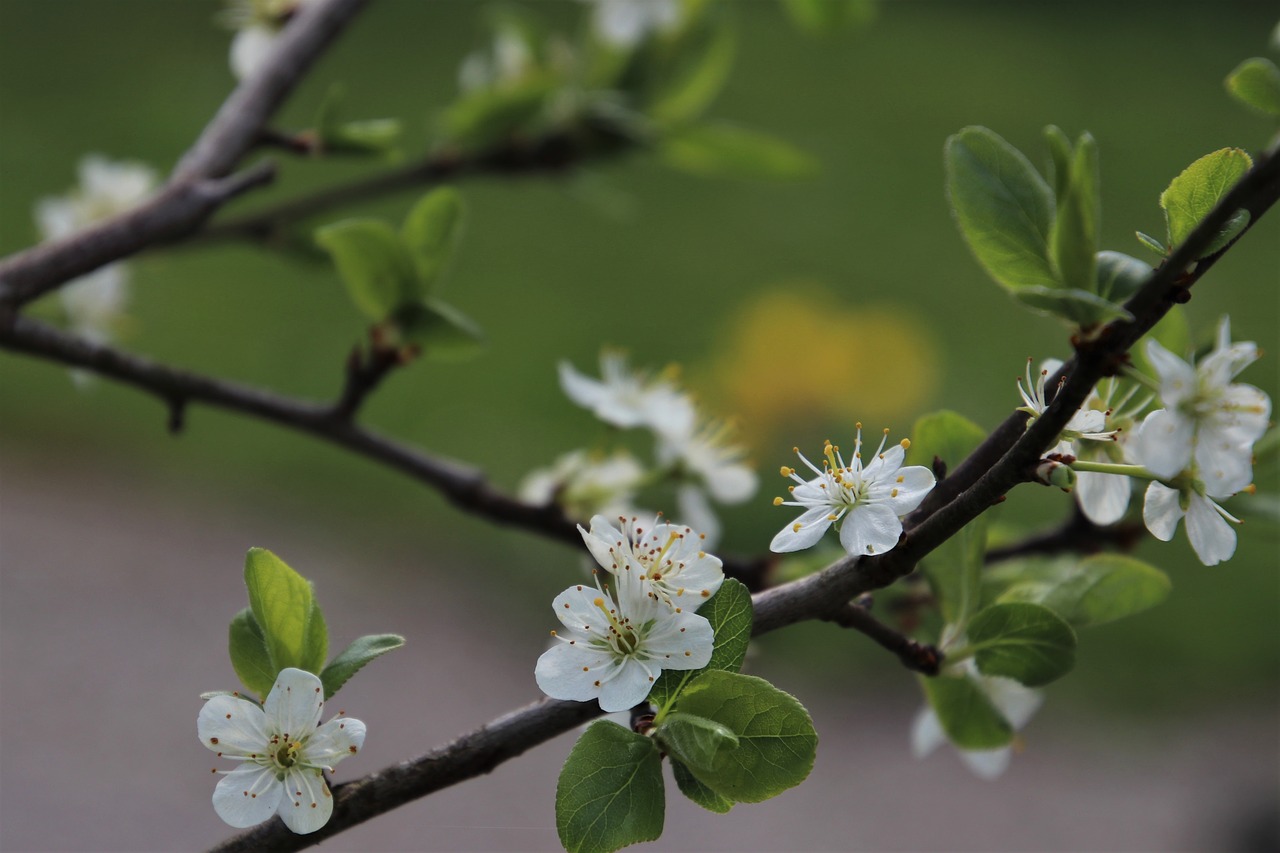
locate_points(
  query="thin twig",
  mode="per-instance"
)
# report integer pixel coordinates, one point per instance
(917, 657)
(202, 181)
(1076, 535)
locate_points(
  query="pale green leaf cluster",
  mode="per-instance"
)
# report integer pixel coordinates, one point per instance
(336, 135)
(1038, 238)
(1256, 84)
(283, 627)
(392, 276)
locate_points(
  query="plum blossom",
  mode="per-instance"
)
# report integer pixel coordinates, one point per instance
(257, 24)
(1017, 704)
(707, 463)
(669, 560)
(94, 303)
(1208, 424)
(1212, 538)
(585, 484)
(627, 399)
(626, 23)
(616, 644)
(867, 503)
(283, 753)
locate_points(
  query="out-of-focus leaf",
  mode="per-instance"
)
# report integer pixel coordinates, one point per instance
(725, 151)
(1256, 84)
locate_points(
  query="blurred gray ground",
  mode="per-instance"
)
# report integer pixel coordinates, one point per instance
(113, 611)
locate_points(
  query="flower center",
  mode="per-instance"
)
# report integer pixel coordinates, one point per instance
(622, 635)
(287, 755)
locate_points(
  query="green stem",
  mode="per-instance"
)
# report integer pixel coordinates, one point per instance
(1141, 378)
(1136, 471)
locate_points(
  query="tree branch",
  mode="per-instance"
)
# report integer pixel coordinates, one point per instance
(917, 657)
(1075, 535)
(202, 181)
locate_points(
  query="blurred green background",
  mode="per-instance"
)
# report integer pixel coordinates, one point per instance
(799, 306)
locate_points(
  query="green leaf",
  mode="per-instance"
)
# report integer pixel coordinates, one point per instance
(1059, 159)
(729, 612)
(1120, 276)
(487, 117)
(725, 151)
(444, 332)
(1152, 243)
(944, 435)
(954, 570)
(281, 602)
(354, 657)
(697, 76)
(776, 739)
(696, 741)
(1099, 589)
(698, 792)
(1026, 642)
(966, 714)
(367, 136)
(610, 792)
(316, 645)
(1078, 307)
(373, 263)
(1003, 207)
(828, 17)
(1073, 244)
(249, 657)
(1256, 84)
(431, 232)
(1191, 195)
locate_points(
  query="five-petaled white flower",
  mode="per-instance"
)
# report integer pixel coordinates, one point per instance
(626, 399)
(868, 502)
(1207, 424)
(707, 462)
(94, 303)
(284, 753)
(1085, 423)
(667, 559)
(1212, 538)
(616, 645)
(1017, 704)
(585, 484)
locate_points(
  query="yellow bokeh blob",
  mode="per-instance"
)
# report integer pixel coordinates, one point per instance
(799, 356)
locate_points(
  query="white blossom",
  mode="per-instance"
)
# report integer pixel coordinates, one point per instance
(1085, 423)
(1208, 424)
(627, 399)
(1017, 704)
(625, 23)
(585, 484)
(616, 644)
(257, 24)
(283, 753)
(94, 303)
(1212, 537)
(707, 462)
(867, 502)
(669, 560)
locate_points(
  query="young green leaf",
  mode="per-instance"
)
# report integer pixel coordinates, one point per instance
(1256, 84)
(725, 151)
(729, 612)
(487, 117)
(431, 231)
(281, 602)
(444, 332)
(776, 739)
(367, 136)
(1073, 245)
(954, 570)
(944, 435)
(354, 657)
(828, 17)
(698, 792)
(373, 263)
(697, 76)
(1099, 589)
(696, 741)
(1026, 642)
(1195, 192)
(249, 657)
(610, 792)
(1120, 276)
(315, 648)
(1152, 243)
(1059, 159)
(1078, 307)
(966, 714)
(1003, 207)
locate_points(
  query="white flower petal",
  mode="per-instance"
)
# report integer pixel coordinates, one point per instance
(1103, 498)
(1212, 537)
(573, 672)
(604, 542)
(1224, 363)
(628, 687)
(1177, 378)
(1163, 443)
(926, 733)
(912, 485)
(696, 509)
(249, 49)
(732, 484)
(307, 803)
(680, 641)
(232, 727)
(247, 795)
(1241, 416)
(293, 705)
(1223, 468)
(1016, 703)
(802, 533)
(988, 764)
(870, 529)
(341, 737)
(1162, 510)
(885, 465)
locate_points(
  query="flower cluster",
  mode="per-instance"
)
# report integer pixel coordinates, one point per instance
(1195, 450)
(94, 303)
(867, 502)
(694, 453)
(283, 751)
(637, 619)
